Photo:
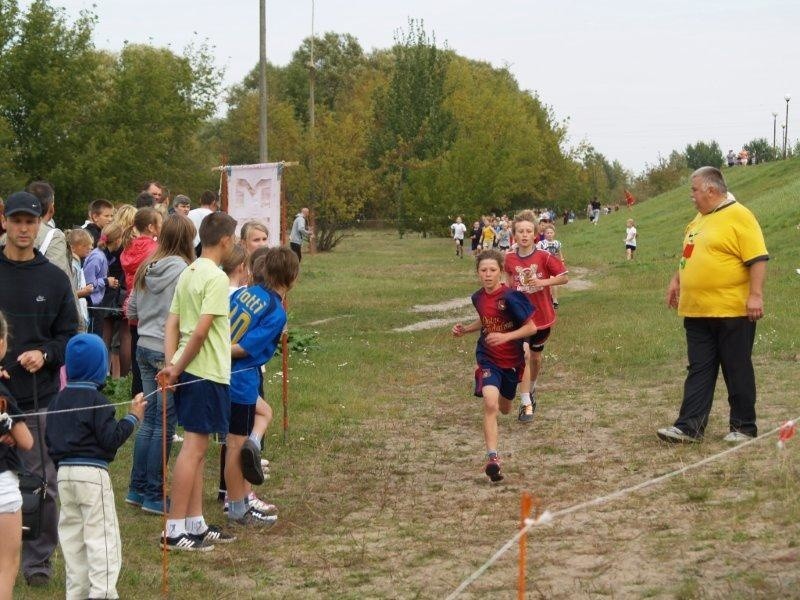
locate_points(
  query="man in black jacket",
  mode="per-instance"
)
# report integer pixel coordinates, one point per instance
(36, 299)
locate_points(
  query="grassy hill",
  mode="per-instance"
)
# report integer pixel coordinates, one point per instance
(380, 484)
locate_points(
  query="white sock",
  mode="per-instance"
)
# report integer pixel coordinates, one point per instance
(175, 527)
(526, 398)
(196, 525)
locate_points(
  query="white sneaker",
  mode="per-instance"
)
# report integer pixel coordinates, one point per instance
(737, 437)
(176, 438)
(675, 435)
(797, 271)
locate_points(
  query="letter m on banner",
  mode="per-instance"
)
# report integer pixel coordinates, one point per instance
(254, 193)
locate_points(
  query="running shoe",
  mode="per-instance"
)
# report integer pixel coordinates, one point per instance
(492, 469)
(526, 413)
(737, 437)
(214, 535)
(254, 518)
(260, 505)
(251, 462)
(186, 543)
(676, 436)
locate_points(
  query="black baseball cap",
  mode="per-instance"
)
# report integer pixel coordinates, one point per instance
(23, 202)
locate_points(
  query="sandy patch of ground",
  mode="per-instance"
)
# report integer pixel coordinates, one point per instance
(577, 281)
(328, 320)
(432, 324)
(442, 306)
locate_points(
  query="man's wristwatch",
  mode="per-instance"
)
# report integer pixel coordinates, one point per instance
(44, 355)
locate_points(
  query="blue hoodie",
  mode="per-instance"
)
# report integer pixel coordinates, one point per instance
(88, 437)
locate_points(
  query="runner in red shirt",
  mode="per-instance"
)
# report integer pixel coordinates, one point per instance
(533, 271)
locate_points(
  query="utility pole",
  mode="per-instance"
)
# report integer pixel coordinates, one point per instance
(262, 83)
(312, 76)
(787, 97)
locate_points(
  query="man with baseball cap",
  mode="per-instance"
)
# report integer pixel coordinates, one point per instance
(36, 299)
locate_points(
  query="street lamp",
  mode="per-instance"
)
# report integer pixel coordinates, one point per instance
(774, 132)
(787, 97)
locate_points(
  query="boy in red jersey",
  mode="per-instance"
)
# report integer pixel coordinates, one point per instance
(505, 319)
(533, 272)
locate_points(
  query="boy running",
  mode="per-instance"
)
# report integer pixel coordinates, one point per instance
(197, 354)
(533, 272)
(505, 319)
(458, 229)
(630, 239)
(553, 246)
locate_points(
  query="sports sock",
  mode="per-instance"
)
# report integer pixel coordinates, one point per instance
(196, 525)
(526, 398)
(175, 527)
(491, 454)
(237, 508)
(256, 438)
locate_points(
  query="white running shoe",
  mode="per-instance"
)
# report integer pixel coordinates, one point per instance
(737, 437)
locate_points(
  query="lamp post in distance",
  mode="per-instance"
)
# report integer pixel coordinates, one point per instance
(787, 97)
(774, 132)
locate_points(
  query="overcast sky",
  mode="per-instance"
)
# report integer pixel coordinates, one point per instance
(636, 78)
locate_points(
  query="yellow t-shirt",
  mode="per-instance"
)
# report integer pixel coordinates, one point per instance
(488, 234)
(714, 269)
(203, 290)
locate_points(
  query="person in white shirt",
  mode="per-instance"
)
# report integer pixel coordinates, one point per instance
(630, 239)
(458, 229)
(208, 205)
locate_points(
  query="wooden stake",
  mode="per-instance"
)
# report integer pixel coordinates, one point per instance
(525, 512)
(164, 552)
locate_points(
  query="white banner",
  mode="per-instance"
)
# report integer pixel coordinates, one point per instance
(254, 193)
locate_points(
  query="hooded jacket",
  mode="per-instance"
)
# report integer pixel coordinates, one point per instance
(36, 299)
(92, 436)
(139, 250)
(150, 306)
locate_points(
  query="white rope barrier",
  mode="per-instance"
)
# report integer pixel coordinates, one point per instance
(547, 516)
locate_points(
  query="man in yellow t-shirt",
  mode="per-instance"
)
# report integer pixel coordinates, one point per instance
(718, 290)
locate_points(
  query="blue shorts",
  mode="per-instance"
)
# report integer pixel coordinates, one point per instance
(505, 380)
(204, 406)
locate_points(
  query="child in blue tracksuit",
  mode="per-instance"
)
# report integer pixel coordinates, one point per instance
(257, 321)
(82, 443)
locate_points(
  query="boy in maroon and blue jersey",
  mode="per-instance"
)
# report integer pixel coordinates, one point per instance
(505, 320)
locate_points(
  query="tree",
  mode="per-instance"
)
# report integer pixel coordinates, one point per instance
(704, 154)
(338, 63)
(761, 150)
(412, 123)
(51, 95)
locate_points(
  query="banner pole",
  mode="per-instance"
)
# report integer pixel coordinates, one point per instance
(285, 334)
(223, 192)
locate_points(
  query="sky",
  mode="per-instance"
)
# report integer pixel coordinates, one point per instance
(635, 78)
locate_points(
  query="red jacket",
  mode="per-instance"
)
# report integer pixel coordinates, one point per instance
(138, 251)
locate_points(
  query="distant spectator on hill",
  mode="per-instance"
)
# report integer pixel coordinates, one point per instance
(744, 157)
(731, 158)
(629, 199)
(595, 204)
(300, 232)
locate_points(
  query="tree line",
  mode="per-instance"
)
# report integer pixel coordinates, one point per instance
(413, 135)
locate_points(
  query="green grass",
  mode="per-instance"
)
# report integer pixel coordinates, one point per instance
(380, 484)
